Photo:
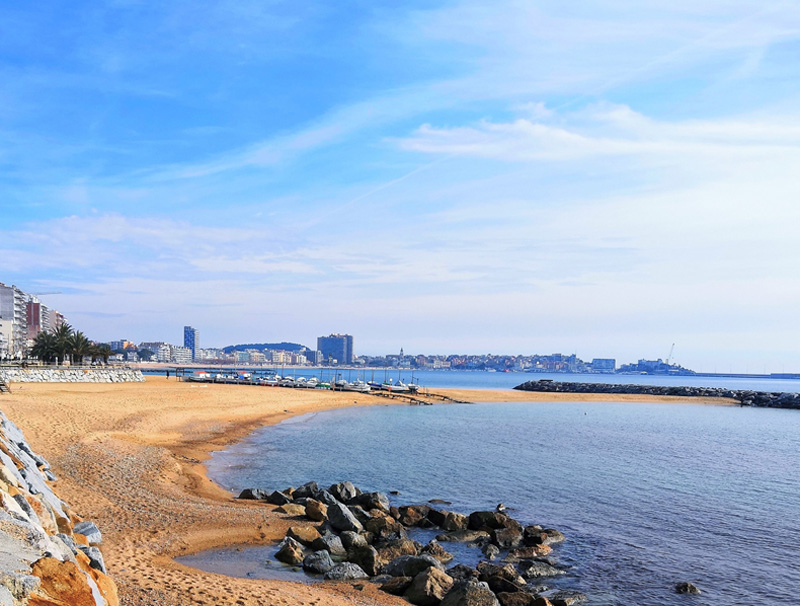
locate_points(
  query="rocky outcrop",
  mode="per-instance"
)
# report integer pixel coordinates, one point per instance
(71, 375)
(745, 397)
(48, 555)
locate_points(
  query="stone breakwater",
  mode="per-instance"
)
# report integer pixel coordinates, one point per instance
(745, 397)
(359, 536)
(49, 556)
(70, 375)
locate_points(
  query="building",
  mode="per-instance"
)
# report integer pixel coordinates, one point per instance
(14, 310)
(181, 355)
(604, 364)
(191, 339)
(336, 348)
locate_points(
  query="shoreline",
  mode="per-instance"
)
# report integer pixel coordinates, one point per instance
(132, 456)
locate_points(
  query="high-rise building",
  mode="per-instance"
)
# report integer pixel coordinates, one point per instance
(14, 310)
(336, 347)
(191, 339)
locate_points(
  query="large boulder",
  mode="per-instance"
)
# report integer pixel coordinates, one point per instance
(470, 592)
(686, 588)
(253, 494)
(385, 527)
(429, 587)
(303, 534)
(461, 572)
(538, 570)
(367, 558)
(318, 562)
(528, 553)
(344, 491)
(316, 510)
(389, 550)
(566, 598)
(278, 498)
(306, 490)
(346, 571)
(325, 497)
(487, 571)
(331, 543)
(90, 531)
(506, 538)
(290, 552)
(487, 520)
(396, 585)
(373, 500)
(536, 535)
(463, 536)
(412, 515)
(292, 509)
(411, 566)
(518, 598)
(437, 551)
(436, 516)
(351, 540)
(455, 521)
(342, 518)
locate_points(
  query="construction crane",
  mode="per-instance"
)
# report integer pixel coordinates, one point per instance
(669, 357)
(39, 294)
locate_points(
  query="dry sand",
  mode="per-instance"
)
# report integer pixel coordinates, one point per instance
(130, 456)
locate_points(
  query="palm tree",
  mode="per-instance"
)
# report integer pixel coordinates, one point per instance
(44, 347)
(79, 346)
(101, 351)
(63, 336)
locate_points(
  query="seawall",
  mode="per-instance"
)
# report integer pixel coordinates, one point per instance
(49, 556)
(744, 396)
(70, 375)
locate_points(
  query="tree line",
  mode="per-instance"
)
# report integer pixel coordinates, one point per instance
(64, 343)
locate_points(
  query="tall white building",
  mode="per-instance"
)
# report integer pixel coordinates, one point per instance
(13, 310)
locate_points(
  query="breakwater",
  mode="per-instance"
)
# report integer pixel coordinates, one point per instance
(70, 375)
(48, 555)
(745, 397)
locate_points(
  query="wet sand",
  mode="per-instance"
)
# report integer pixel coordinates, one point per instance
(130, 456)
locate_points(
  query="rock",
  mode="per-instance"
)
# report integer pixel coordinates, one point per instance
(461, 571)
(373, 500)
(386, 528)
(528, 553)
(316, 510)
(351, 539)
(254, 494)
(686, 588)
(455, 521)
(303, 534)
(95, 557)
(487, 520)
(90, 531)
(553, 536)
(290, 552)
(278, 498)
(389, 550)
(436, 517)
(470, 592)
(506, 538)
(292, 509)
(490, 550)
(411, 566)
(346, 571)
(362, 515)
(499, 585)
(342, 518)
(536, 535)
(566, 598)
(517, 598)
(344, 491)
(367, 558)
(463, 536)
(542, 601)
(396, 585)
(331, 543)
(437, 551)
(538, 570)
(429, 587)
(318, 562)
(487, 571)
(63, 583)
(306, 490)
(412, 515)
(325, 497)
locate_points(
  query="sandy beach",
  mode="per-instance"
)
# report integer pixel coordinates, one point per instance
(130, 456)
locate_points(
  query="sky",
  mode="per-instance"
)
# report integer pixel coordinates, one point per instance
(603, 178)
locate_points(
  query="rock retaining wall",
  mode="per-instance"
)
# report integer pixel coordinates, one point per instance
(70, 375)
(48, 555)
(744, 396)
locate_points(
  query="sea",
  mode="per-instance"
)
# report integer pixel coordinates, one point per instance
(648, 495)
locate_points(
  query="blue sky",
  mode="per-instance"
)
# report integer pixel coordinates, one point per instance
(604, 178)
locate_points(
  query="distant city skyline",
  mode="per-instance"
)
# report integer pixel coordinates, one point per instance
(449, 176)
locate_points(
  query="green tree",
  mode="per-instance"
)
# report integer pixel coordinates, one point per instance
(79, 347)
(63, 337)
(44, 347)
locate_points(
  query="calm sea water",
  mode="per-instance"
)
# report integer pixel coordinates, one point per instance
(647, 494)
